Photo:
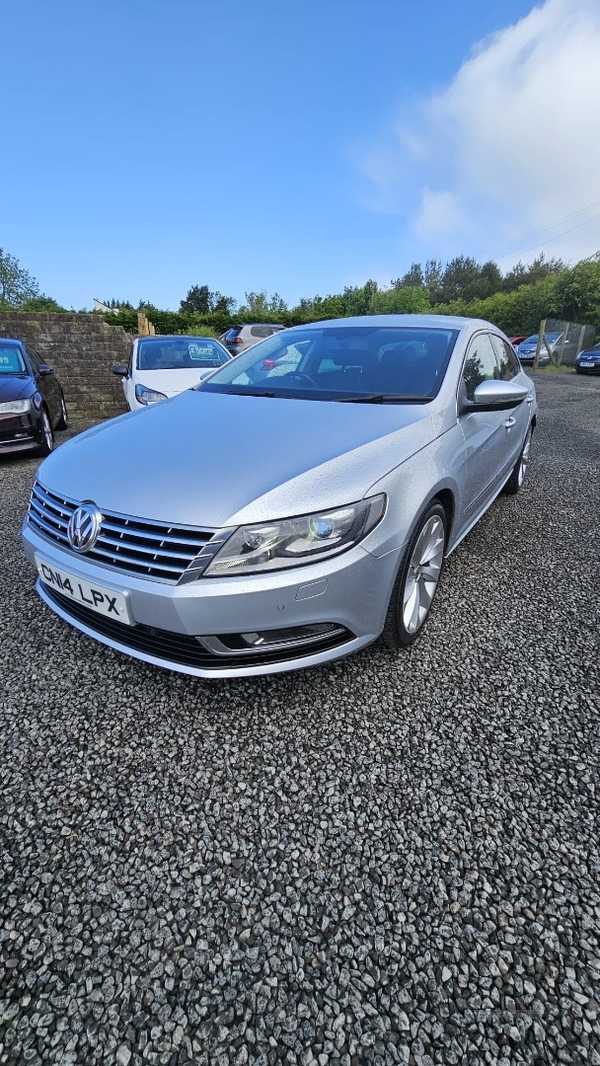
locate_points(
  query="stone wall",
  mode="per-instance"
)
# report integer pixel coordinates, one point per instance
(82, 349)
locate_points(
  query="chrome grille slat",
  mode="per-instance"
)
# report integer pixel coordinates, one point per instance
(48, 527)
(142, 549)
(143, 565)
(173, 536)
(135, 545)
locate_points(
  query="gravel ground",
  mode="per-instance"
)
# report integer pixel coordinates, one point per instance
(385, 860)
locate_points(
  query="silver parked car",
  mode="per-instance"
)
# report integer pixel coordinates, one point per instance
(239, 338)
(295, 506)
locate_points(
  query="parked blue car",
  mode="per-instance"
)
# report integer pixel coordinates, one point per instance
(588, 361)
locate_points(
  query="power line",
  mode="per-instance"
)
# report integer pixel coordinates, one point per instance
(534, 247)
(551, 225)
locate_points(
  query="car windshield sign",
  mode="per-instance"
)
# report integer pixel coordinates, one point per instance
(11, 360)
(370, 364)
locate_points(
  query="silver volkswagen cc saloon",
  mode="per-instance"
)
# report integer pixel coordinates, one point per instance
(295, 506)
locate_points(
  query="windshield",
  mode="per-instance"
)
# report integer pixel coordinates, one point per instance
(11, 360)
(551, 337)
(179, 353)
(372, 364)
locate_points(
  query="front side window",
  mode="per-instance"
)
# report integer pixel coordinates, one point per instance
(34, 358)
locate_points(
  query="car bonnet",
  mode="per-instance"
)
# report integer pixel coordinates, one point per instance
(172, 382)
(212, 459)
(14, 386)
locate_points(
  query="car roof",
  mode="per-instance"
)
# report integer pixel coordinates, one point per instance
(427, 321)
(175, 337)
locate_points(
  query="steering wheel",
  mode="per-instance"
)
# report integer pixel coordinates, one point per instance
(298, 375)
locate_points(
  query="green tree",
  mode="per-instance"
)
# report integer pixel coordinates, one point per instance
(201, 301)
(578, 292)
(197, 301)
(16, 284)
(413, 279)
(358, 298)
(263, 308)
(465, 279)
(118, 304)
(404, 301)
(433, 275)
(225, 304)
(42, 304)
(540, 269)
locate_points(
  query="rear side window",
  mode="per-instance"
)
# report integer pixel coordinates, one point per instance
(262, 331)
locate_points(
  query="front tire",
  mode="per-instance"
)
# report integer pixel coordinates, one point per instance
(417, 580)
(517, 477)
(63, 422)
(47, 444)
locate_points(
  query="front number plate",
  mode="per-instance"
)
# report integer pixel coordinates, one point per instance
(588, 366)
(99, 599)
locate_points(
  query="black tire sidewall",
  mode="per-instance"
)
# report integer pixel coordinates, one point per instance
(46, 424)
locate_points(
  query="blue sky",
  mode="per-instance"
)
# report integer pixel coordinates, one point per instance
(293, 147)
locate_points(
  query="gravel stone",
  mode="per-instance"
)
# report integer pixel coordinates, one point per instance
(391, 859)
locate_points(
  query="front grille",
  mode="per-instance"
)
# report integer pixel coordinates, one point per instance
(134, 545)
(177, 648)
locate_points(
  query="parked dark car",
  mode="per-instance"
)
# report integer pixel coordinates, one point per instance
(588, 361)
(32, 403)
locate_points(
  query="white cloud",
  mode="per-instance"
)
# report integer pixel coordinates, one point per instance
(508, 155)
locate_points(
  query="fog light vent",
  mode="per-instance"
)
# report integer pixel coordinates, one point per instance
(299, 634)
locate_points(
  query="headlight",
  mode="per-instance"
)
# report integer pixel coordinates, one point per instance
(296, 541)
(146, 396)
(15, 407)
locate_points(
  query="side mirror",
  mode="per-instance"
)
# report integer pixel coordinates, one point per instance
(120, 369)
(498, 396)
(45, 370)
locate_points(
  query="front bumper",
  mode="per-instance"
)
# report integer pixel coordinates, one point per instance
(19, 433)
(301, 617)
(595, 369)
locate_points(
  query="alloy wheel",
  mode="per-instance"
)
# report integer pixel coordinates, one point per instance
(423, 574)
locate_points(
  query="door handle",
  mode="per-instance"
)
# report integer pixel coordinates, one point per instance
(509, 423)
(530, 399)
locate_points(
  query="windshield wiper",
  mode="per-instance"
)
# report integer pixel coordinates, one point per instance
(251, 392)
(378, 397)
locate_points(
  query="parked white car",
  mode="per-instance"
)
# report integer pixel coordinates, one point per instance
(161, 367)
